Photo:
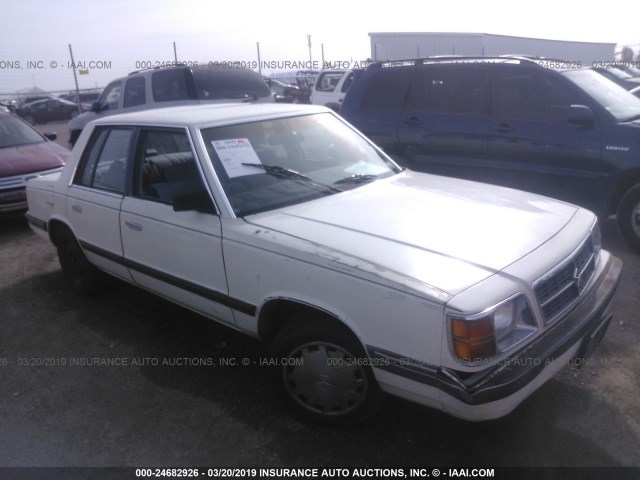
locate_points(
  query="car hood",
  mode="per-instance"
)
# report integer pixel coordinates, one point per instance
(442, 232)
(31, 158)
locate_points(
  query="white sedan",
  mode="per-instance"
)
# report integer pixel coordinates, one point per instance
(286, 223)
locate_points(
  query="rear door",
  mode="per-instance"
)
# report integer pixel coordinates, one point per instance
(534, 147)
(95, 196)
(177, 254)
(444, 127)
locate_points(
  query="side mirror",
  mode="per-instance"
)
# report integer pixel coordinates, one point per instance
(97, 107)
(197, 200)
(51, 136)
(581, 115)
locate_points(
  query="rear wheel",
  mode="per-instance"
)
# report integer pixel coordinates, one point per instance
(82, 276)
(324, 372)
(31, 119)
(628, 218)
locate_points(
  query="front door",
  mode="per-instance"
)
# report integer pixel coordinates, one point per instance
(177, 254)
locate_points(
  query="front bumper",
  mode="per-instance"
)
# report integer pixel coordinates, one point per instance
(497, 390)
(14, 200)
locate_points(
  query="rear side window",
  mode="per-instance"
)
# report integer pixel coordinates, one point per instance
(104, 163)
(170, 85)
(134, 92)
(461, 89)
(328, 81)
(388, 89)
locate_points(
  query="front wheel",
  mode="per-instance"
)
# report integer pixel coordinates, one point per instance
(82, 276)
(324, 373)
(628, 218)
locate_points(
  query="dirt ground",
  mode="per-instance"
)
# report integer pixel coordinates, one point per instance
(60, 407)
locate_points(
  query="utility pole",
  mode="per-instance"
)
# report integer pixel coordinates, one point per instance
(175, 52)
(259, 61)
(322, 50)
(309, 44)
(75, 77)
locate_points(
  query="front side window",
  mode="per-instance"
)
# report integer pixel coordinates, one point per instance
(274, 163)
(111, 95)
(624, 106)
(104, 162)
(527, 94)
(167, 167)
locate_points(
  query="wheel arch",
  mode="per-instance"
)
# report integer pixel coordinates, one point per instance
(276, 312)
(624, 183)
(55, 227)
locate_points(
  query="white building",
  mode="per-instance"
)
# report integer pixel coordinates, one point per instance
(400, 46)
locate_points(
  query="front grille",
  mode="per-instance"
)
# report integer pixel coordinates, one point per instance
(560, 288)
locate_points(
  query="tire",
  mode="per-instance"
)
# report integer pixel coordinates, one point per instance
(31, 119)
(628, 218)
(74, 113)
(81, 275)
(320, 376)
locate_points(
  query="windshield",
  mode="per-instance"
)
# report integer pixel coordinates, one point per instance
(278, 162)
(14, 132)
(623, 105)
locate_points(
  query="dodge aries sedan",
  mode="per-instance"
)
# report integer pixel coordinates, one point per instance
(286, 223)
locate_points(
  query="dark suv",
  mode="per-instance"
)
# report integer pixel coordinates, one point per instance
(173, 86)
(567, 133)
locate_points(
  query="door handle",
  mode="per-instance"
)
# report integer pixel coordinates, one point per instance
(134, 226)
(413, 121)
(76, 208)
(504, 128)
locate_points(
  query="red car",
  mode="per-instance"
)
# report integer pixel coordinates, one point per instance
(24, 154)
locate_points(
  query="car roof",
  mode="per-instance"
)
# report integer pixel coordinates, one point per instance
(209, 114)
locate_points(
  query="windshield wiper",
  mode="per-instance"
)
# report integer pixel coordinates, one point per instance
(289, 173)
(358, 178)
(633, 119)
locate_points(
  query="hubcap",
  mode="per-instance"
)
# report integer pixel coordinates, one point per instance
(325, 379)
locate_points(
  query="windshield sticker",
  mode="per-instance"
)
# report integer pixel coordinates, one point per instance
(366, 168)
(233, 153)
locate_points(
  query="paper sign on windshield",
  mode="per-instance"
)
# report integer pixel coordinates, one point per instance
(233, 153)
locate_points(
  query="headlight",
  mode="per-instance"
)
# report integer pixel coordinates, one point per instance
(484, 335)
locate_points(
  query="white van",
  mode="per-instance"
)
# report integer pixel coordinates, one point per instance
(331, 88)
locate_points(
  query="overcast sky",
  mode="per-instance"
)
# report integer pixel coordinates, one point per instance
(120, 33)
